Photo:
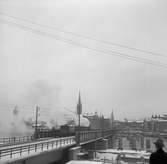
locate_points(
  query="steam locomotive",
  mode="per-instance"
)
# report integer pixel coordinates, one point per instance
(64, 131)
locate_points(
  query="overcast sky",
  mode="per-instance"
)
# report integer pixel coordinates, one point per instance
(40, 70)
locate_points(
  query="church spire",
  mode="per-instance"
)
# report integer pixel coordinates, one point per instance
(79, 105)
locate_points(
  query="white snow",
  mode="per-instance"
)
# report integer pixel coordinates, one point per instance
(112, 155)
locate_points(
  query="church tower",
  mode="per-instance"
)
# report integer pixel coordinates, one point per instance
(79, 105)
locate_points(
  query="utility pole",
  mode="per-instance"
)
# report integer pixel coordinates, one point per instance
(36, 121)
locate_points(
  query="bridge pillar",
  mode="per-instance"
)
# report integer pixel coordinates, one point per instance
(73, 153)
(110, 142)
(97, 145)
(102, 144)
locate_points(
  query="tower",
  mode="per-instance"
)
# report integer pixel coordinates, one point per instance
(79, 112)
(79, 105)
(112, 119)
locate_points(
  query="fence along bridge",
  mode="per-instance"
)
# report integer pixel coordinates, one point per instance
(27, 149)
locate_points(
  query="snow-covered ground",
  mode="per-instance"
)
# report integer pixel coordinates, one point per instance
(112, 155)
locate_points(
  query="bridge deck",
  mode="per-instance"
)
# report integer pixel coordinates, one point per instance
(28, 149)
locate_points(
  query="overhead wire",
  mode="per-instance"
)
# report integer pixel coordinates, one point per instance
(84, 36)
(70, 41)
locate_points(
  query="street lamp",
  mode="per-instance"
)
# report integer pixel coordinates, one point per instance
(36, 122)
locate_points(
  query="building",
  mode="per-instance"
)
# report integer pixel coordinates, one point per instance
(155, 124)
(99, 122)
(129, 125)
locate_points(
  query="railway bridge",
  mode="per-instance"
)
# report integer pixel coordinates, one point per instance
(52, 150)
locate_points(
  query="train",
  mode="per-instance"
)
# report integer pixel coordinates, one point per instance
(64, 131)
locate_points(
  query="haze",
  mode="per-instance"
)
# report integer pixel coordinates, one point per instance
(38, 70)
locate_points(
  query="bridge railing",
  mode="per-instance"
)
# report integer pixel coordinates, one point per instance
(107, 132)
(26, 149)
(86, 136)
(40, 146)
(10, 140)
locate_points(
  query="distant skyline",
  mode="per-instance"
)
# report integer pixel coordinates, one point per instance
(40, 70)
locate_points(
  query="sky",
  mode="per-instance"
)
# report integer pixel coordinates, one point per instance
(41, 70)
